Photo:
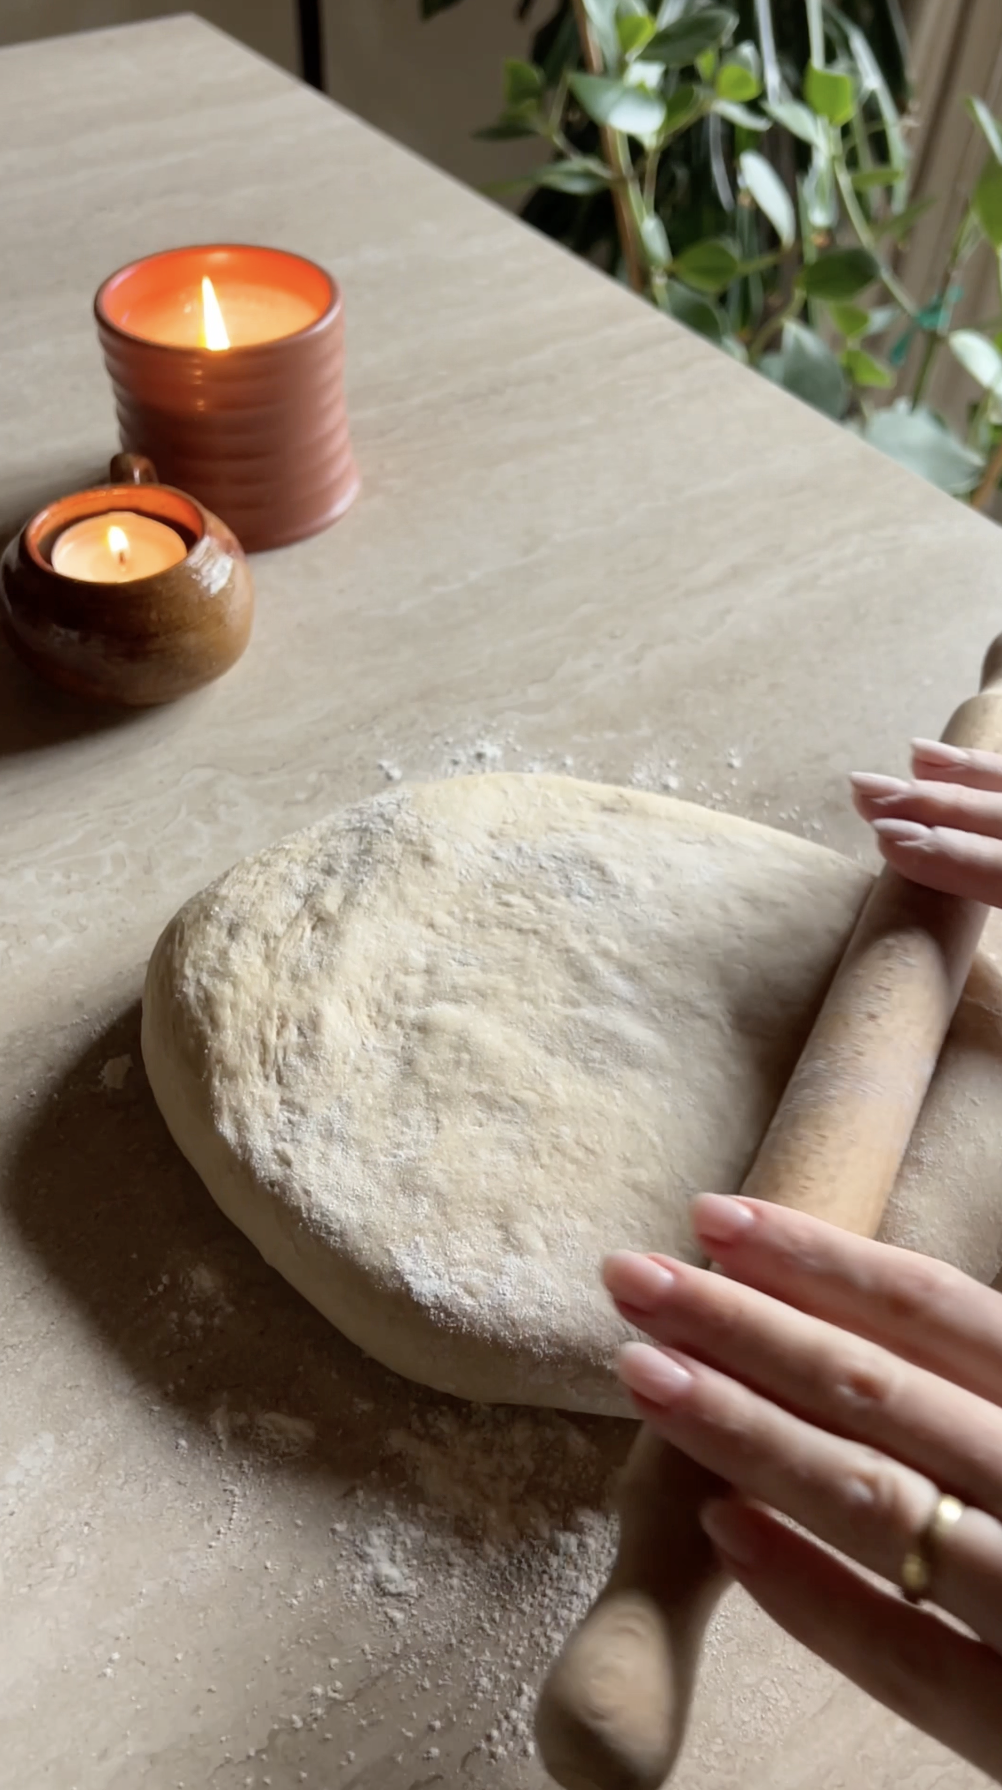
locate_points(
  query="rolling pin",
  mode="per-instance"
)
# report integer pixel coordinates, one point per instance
(613, 1710)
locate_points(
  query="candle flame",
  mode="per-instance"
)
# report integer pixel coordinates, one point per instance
(214, 329)
(118, 543)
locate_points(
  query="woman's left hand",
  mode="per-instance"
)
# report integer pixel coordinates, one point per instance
(846, 1386)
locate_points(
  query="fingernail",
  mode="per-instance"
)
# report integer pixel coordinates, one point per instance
(733, 1531)
(653, 1374)
(636, 1280)
(719, 1219)
(902, 832)
(937, 752)
(870, 785)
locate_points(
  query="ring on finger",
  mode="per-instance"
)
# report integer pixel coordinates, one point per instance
(919, 1564)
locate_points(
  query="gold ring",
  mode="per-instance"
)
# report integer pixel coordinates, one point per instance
(917, 1566)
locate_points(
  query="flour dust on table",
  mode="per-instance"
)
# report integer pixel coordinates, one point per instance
(439, 1053)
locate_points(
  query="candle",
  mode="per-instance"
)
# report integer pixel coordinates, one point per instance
(224, 313)
(116, 548)
(227, 365)
(130, 592)
(221, 311)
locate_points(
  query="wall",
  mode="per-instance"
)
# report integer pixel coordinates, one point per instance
(270, 26)
(431, 83)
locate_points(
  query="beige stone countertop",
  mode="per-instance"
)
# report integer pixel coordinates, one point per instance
(234, 1552)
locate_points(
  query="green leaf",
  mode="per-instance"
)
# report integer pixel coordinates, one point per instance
(770, 195)
(709, 266)
(818, 193)
(578, 174)
(838, 274)
(696, 313)
(689, 37)
(633, 110)
(977, 110)
(917, 439)
(799, 120)
(901, 222)
(746, 55)
(873, 83)
(602, 17)
(979, 357)
(634, 31)
(524, 124)
(522, 82)
(706, 65)
(866, 369)
(830, 94)
(654, 237)
(864, 180)
(851, 321)
(740, 115)
(681, 108)
(735, 82)
(806, 366)
(986, 202)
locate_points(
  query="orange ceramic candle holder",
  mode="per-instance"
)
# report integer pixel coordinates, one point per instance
(257, 430)
(134, 643)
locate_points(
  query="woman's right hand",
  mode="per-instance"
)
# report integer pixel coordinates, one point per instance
(943, 827)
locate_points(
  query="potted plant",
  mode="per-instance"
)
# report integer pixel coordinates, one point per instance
(745, 168)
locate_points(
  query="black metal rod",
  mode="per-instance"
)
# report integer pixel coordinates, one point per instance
(311, 43)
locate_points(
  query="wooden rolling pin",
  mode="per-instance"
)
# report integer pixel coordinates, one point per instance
(613, 1710)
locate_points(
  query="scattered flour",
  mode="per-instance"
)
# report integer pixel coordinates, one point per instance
(466, 754)
(283, 1434)
(114, 1073)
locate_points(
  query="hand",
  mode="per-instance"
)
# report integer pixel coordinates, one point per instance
(945, 828)
(844, 1385)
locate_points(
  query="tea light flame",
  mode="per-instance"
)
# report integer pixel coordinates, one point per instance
(214, 328)
(118, 544)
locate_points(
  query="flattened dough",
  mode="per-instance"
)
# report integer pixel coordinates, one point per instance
(439, 1053)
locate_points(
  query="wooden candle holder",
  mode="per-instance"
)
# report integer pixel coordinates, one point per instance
(138, 643)
(258, 431)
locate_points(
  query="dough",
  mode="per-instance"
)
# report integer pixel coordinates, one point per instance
(439, 1053)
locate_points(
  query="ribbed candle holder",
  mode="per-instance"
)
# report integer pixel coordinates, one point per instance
(255, 427)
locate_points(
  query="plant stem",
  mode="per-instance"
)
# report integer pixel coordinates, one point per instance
(816, 32)
(857, 216)
(617, 155)
(651, 179)
(989, 482)
(759, 343)
(933, 343)
(767, 46)
(861, 225)
(934, 340)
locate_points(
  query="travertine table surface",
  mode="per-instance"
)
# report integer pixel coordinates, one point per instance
(234, 1552)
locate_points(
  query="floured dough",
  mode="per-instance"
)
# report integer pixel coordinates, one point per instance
(438, 1054)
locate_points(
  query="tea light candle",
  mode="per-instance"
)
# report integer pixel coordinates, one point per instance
(129, 593)
(116, 548)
